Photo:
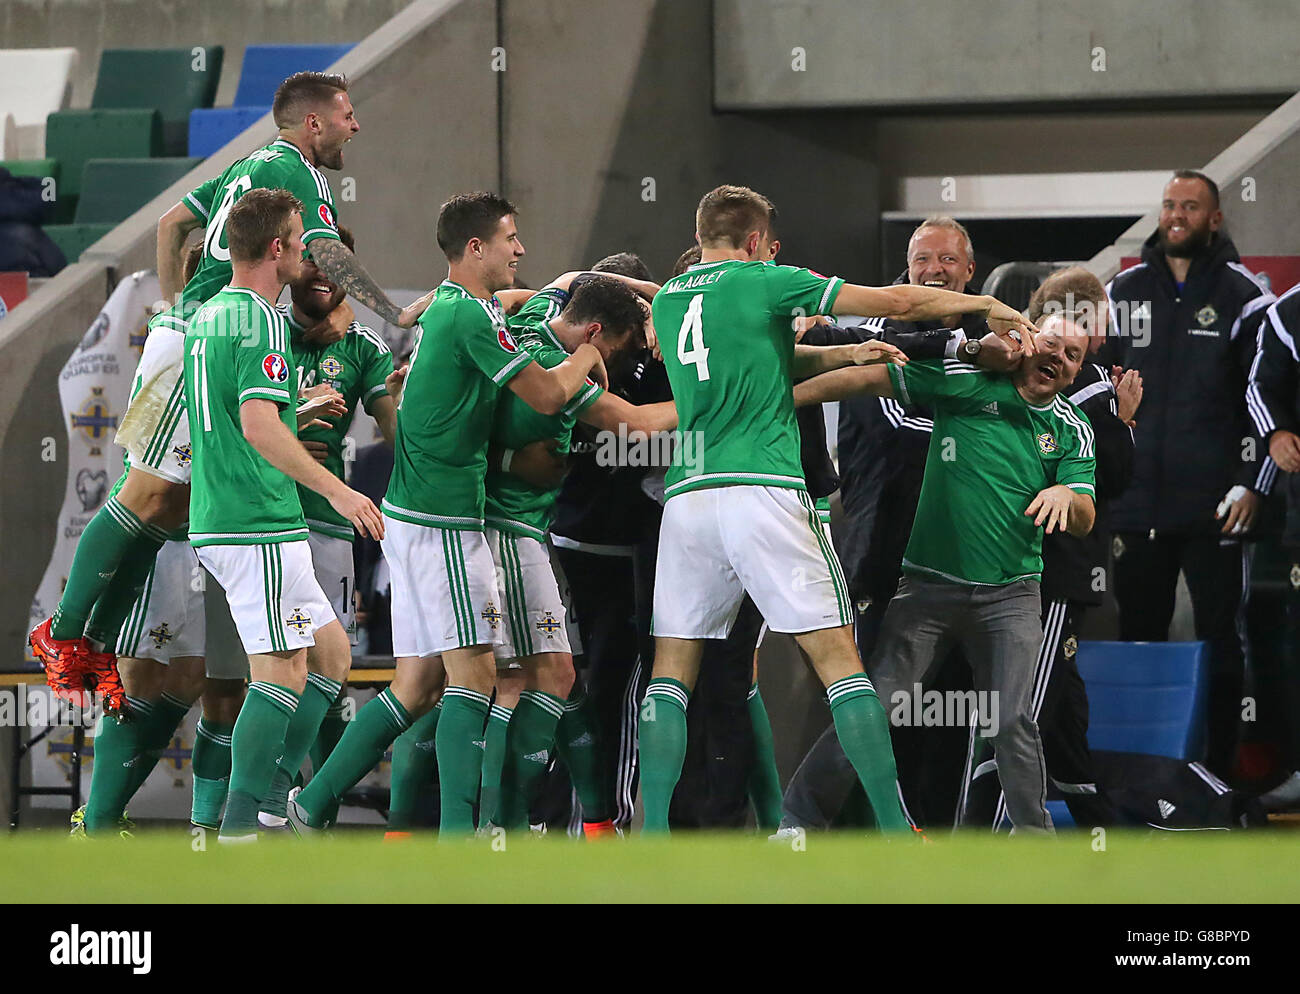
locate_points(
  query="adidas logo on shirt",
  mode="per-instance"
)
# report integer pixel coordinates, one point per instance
(481, 743)
(1166, 809)
(990, 408)
(538, 757)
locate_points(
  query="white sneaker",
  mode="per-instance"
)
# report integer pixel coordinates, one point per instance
(1285, 796)
(785, 835)
(295, 821)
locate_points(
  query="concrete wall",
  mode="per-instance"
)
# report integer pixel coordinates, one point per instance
(883, 53)
(1258, 194)
(93, 25)
(628, 107)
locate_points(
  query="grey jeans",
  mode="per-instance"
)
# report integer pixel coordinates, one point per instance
(1000, 630)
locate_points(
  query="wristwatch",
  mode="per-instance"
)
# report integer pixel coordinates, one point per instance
(969, 349)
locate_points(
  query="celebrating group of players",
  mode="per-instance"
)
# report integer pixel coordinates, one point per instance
(234, 443)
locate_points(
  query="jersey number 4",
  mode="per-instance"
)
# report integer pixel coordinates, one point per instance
(691, 350)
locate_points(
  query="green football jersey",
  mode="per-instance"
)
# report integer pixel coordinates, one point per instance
(463, 354)
(356, 366)
(237, 348)
(279, 165)
(990, 454)
(727, 336)
(513, 505)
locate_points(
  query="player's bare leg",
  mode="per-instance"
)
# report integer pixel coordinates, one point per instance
(530, 738)
(860, 721)
(663, 725)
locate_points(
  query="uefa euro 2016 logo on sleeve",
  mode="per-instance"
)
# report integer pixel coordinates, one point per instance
(275, 368)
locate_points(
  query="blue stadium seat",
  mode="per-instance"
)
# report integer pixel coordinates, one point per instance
(1145, 697)
(266, 66)
(213, 127)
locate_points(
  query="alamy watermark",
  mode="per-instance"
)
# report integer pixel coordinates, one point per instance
(916, 708)
(643, 449)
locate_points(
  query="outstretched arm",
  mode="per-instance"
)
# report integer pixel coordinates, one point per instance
(844, 383)
(922, 303)
(610, 410)
(343, 268)
(809, 360)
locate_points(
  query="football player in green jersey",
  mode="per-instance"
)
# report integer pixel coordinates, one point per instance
(354, 361)
(247, 524)
(603, 310)
(113, 557)
(1009, 460)
(738, 518)
(447, 609)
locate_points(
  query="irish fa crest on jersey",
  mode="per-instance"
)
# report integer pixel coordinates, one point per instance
(1206, 316)
(1046, 443)
(331, 368)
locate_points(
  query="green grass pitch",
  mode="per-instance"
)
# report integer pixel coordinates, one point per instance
(1209, 867)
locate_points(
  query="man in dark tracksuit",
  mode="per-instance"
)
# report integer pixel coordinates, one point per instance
(1273, 397)
(1186, 317)
(1072, 569)
(604, 522)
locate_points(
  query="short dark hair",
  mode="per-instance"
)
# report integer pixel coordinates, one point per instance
(687, 259)
(303, 92)
(728, 214)
(1212, 186)
(345, 236)
(257, 217)
(627, 264)
(611, 302)
(470, 215)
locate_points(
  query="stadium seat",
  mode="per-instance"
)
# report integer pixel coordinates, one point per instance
(73, 239)
(111, 191)
(1145, 697)
(73, 137)
(174, 80)
(213, 127)
(266, 66)
(1014, 283)
(114, 189)
(34, 82)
